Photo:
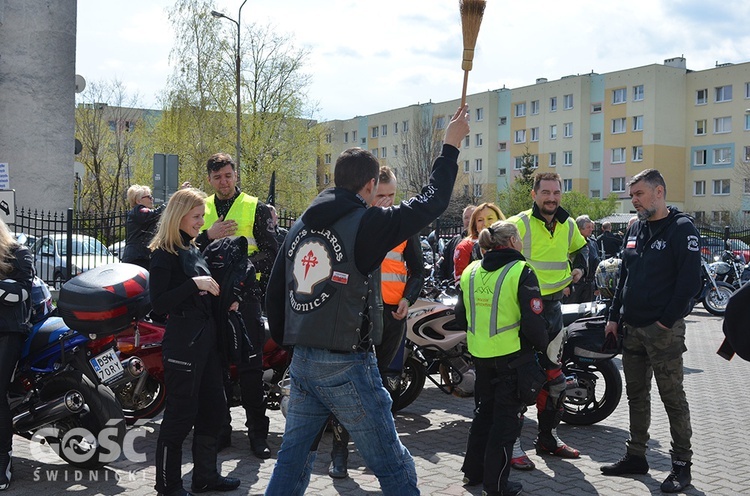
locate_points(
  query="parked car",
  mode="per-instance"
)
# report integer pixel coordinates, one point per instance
(117, 249)
(23, 238)
(712, 246)
(50, 256)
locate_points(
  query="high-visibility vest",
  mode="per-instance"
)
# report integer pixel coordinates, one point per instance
(548, 253)
(393, 275)
(493, 309)
(242, 212)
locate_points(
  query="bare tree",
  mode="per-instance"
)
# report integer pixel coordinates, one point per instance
(420, 144)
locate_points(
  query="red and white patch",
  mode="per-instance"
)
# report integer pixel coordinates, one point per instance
(340, 277)
(631, 243)
(536, 305)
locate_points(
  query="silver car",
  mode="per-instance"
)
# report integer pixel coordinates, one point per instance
(50, 256)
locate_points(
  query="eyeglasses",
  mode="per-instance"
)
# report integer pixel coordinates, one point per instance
(150, 197)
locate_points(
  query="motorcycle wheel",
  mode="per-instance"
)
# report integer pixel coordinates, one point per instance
(103, 408)
(715, 302)
(587, 404)
(147, 405)
(413, 376)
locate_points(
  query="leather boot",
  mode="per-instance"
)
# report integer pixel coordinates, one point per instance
(258, 434)
(6, 469)
(205, 476)
(168, 470)
(679, 478)
(339, 452)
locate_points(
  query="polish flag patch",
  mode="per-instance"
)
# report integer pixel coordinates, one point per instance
(631, 242)
(340, 277)
(536, 305)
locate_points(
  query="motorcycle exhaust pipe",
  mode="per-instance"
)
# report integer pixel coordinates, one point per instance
(133, 368)
(52, 411)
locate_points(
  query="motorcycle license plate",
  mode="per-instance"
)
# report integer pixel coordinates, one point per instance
(107, 366)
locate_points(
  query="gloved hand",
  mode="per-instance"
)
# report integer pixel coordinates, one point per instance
(556, 382)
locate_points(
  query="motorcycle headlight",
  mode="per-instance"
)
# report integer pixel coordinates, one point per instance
(717, 258)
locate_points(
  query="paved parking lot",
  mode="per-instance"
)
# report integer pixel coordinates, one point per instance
(435, 428)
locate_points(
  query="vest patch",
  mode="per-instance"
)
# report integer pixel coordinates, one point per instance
(312, 264)
(631, 242)
(536, 305)
(340, 277)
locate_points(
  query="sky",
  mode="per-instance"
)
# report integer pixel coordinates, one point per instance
(370, 57)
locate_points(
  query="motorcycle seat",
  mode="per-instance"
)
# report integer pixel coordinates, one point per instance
(49, 332)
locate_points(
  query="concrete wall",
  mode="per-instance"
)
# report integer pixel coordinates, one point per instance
(37, 100)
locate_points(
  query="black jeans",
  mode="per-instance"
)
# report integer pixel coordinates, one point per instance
(11, 344)
(393, 336)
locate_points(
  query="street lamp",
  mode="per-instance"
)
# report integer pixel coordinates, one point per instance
(237, 63)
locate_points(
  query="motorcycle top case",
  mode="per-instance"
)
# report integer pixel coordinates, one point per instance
(106, 299)
(586, 339)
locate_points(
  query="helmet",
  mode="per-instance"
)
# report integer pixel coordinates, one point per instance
(607, 275)
(41, 300)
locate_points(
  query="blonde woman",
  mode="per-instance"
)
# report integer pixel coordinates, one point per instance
(141, 225)
(16, 277)
(181, 286)
(466, 251)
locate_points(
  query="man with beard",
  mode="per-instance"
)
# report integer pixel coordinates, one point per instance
(660, 274)
(550, 240)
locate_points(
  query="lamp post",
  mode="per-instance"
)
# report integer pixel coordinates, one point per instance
(237, 64)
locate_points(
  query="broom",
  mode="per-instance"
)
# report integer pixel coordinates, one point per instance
(471, 18)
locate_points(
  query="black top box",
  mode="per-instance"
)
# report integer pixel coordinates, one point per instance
(106, 299)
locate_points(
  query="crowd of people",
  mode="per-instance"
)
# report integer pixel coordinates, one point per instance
(336, 289)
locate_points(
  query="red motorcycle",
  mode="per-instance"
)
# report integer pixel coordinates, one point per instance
(143, 398)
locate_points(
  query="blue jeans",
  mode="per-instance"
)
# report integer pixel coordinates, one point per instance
(349, 386)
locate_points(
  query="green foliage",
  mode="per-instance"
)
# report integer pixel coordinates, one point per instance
(577, 203)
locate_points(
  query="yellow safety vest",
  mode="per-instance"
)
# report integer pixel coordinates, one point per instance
(242, 212)
(393, 275)
(493, 309)
(548, 253)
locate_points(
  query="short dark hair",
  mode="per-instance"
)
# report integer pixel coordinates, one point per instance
(218, 161)
(652, 177)
(355, 167)
(546, 176)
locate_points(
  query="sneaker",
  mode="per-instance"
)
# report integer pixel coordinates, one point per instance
(679, 478)
(222, 484)
(563, 451)
(259, 447)
(511, 489)
(628, 464)
(522, 462)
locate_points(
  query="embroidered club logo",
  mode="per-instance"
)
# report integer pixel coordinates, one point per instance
(312, 265)
(692, 243)
(536, 305)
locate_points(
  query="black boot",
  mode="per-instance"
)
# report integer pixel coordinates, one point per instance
(6, 469)
(627, 465)
(679, 478)
(339, 452)
(205, 476)
(169, 470)
(258, 434)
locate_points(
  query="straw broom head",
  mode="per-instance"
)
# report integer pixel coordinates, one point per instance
(471, 18)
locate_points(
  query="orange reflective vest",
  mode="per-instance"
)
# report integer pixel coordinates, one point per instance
(393, 275)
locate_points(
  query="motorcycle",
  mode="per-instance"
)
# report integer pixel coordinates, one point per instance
(713, 294)
(729, 268)
(144, 398)
(60, 391)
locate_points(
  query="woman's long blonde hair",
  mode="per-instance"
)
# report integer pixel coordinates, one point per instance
(473, 233)
(7, 245)
(168, 236)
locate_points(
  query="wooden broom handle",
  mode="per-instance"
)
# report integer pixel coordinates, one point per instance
(463, 92)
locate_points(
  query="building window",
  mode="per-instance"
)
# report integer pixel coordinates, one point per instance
(520, 136)
(534, 134)
(534, 107)
(404, 149)
(501, 172)
(720, 217)
(700, 127)
(568, 130)
(502, 146)
(374, 151)
(384, 130)
(747, 90)
(478, 140)
(747, 153)
(722, 125)
(553, 104)
(477, 190)
(637, 154)
(478, 165)
(596, 165)
(701, 97)
(467, 141)
(553, 131)
(618, 184)
(503, 121)
(354, 136)
(329, 138)
(518, 163)
(440, 122)
(638, 93)
(327, 159)
(567, 185)
(747, 122)
(638, 123)
(618, 155)
(596, 108)
(723, 93)
(721, 187)
(395, 150)
(405, 126)
(466, 166)
(480, 114)
(619, 95)
(383, 152)
(553, 159)
(619, 125)
(466, 190)
(746, 190)
(595, 193)
(699, 157)
(326, 178)
(374, 133)
(722, 156)
(596, 137)
(568, 158)
(346, 137)
(520, 109)
(699, 188)
(567, 102)
(395, 128)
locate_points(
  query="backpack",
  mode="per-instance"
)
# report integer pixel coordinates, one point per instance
(231, 268)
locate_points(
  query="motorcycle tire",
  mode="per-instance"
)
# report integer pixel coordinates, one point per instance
(103, 412)
(715, 302)
(413, 376)
(148, 404)
(592, 406)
